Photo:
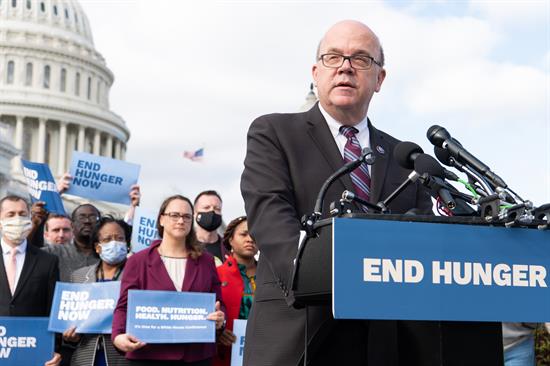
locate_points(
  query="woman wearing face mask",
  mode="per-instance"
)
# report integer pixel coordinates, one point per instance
(174, 263)
(111, 240)
(238, 280)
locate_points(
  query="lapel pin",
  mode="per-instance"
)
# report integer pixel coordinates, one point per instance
(380, 149)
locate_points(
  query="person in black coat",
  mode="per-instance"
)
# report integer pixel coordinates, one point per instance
(289, 156)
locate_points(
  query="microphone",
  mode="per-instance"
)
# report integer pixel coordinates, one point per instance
(432, 173)
(433, 178)
(440, 137)
(367, 157)
(405, 153)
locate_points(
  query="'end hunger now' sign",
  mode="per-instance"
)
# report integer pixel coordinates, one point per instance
(99, 178)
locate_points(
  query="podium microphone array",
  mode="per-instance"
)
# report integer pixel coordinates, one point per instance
(487, 194)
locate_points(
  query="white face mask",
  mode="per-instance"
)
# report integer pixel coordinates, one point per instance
(16, 228)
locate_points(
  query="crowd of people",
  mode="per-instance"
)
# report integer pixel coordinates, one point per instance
(87, 247)
(289, 157)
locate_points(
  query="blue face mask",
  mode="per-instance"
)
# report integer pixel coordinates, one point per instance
(113, 252)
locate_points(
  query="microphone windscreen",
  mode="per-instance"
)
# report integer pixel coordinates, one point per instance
(437, 135)
(425, 163)
(442, 155)
(403, 153)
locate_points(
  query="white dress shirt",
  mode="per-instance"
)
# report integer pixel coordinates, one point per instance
(334, 126)
(19, 257)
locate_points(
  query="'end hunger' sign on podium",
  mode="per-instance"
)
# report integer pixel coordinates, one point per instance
(426, 271)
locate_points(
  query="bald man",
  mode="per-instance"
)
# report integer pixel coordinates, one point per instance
(289, 157)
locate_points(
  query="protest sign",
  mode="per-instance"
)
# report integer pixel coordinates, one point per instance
(88, 306)
(144, 229)
(237, 350)
(170, 316)
(25, 341)
(42, 187)
(99, 178)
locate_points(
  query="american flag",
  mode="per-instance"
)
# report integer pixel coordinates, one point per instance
(194, 155)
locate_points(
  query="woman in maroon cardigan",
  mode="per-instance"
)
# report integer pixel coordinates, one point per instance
(175, 263)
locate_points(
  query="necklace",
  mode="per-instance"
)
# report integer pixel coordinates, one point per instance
(167, 256)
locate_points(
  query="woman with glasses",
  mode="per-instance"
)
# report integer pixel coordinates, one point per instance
(111, 239)
(174, 263)
(238, 280)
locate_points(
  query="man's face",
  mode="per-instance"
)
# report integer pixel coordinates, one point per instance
(207, 203)
(58, 230)
(85, 219)
(346, 90)
(11, 209)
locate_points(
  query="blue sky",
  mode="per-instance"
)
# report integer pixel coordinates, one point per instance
(195, 74)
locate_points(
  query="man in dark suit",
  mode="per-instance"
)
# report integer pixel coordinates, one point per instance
(289, 156)
(27, 274)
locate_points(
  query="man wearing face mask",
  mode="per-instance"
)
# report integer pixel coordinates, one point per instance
(19, 295)
(80, 252)
(208, 217)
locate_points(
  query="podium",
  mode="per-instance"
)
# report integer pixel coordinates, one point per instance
(463, 274)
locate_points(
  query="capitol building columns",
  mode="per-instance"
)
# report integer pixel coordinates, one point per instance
(51, 141)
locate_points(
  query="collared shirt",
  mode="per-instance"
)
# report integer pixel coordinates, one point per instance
(19, 257)
(362, 136)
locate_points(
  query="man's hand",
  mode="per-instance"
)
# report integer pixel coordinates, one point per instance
(227, 338)
(64, 183)
(55, 361)
(38, 213)
(71, 336)
(135, 195)
(127, 343)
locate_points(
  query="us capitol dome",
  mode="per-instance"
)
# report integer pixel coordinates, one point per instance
(54, 90)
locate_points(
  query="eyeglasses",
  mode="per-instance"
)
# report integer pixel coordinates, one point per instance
(175, 216)
(91, 218)
(107, 239)
(359, 62)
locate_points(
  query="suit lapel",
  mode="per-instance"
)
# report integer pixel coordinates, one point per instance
(382, 151)
(320, 134)
(191, 269)
(28, 266)
(158, 272)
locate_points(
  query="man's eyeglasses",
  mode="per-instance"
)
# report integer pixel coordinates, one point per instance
(175, 216)
(91, 218)
(336, 60)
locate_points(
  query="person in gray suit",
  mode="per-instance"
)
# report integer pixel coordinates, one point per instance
(288, 158)
(111, 240)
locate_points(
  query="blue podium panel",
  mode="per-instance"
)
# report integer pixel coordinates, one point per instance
(424, 271)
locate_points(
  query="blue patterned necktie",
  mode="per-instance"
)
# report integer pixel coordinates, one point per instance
(360, 177)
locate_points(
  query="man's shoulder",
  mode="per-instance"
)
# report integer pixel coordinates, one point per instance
(277, 119)
(42, 255)
(57, 249)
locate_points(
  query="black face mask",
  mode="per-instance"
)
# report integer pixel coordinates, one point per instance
(209, 221)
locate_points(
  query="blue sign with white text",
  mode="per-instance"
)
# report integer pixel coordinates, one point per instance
(88, 306)
(25, 341)
(100, 178)
(144, 229)
(170, 316)
(426, 271)
(237, 350)
(42, 187)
